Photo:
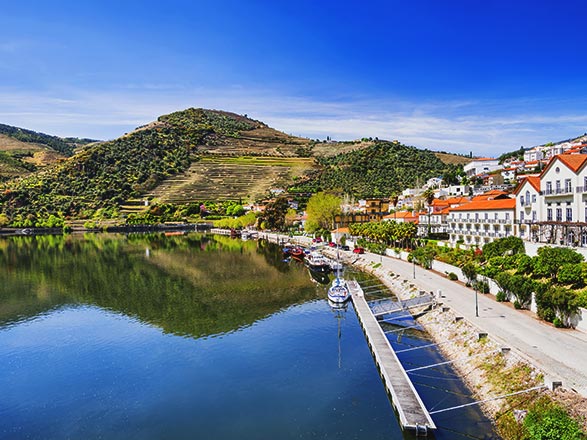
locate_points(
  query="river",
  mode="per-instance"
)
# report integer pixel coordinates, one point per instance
(149, 336)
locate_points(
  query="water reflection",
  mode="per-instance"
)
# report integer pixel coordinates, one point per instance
(192, 285)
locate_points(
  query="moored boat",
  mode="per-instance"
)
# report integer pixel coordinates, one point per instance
(317, 262)
(297, 252)
(338, 292)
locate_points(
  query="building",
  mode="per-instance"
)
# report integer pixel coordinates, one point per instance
(561, 204)
(481, 166)
(529, 204)
(402, 217)
(482, 221)
(533, 154)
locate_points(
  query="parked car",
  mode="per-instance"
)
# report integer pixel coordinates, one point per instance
(317, 240)
(332, 244)
(345, 248)
(359, 250)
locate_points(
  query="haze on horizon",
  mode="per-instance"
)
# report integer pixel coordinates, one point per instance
(459, 76)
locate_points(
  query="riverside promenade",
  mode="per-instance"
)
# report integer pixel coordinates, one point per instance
(560, 353)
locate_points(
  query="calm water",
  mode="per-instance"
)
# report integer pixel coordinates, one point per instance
(190, 337)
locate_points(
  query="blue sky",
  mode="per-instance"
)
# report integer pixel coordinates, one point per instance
(471, 75)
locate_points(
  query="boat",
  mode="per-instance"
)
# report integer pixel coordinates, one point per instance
(335, 266)
(317, 262)
(339, 292)
(297, 252)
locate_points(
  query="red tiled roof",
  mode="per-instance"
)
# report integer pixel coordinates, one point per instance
(573, 161)
(457, 200)
(489, 195)
(532, 180)
(487, 205)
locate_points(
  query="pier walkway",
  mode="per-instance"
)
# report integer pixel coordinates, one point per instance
(412, 412)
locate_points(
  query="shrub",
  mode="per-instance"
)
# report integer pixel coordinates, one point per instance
(556, 302)
(452, 276)
(548, 421)
(571, 274)
(501, 296)
(481, 286)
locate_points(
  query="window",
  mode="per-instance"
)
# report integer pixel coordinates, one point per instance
(521, 216)
(549, 214)
(559, 214)
(548, 187)
(533, 216)
(527, 197)
(495, 216)
(533, 198)
(522, 201)
(507, 215)
(568, 186)
(486, 216)
(569, 214)
(557, 186)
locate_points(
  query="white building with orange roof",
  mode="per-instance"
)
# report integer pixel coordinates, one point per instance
(529, 207)
(439, 212)
(563, 183)
(482, 221)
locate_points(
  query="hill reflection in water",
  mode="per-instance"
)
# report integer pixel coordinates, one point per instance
(192, 285)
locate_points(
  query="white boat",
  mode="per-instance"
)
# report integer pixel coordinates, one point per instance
(338, 292)
(317, 262)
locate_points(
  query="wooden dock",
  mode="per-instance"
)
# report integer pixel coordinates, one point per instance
(412, 413)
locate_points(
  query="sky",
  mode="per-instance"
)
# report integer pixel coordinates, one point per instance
(480, 76)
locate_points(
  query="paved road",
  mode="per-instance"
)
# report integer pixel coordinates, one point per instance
(560, 353)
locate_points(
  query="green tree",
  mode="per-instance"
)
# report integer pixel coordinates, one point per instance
(322, 209)
(469, 271)
(428, 195)
(551, 259)
(504, 246)
(274, 215)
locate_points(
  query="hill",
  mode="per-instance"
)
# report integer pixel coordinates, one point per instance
(196, 155)
(24, 151)
(378, 170)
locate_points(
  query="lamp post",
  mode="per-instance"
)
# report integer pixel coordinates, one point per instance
(476, 302)
(413, 259)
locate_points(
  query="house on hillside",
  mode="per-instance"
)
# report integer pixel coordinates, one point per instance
(481, 166)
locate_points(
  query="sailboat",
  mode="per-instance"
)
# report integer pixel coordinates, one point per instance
(338, 292)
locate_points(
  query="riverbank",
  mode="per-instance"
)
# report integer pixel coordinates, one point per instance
(490, 367)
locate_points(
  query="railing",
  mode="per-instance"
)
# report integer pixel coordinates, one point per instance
(558, 191)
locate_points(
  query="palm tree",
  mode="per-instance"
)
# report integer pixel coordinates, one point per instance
(428, 195)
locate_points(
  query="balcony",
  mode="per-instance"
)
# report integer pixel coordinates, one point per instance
(558, 191)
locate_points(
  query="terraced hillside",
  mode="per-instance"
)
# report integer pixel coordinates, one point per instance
(231, 178)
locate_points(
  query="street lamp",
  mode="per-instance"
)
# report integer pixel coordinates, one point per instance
(476, 302)
(413, 259)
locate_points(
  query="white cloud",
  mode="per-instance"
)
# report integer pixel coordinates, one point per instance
(457, 126)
